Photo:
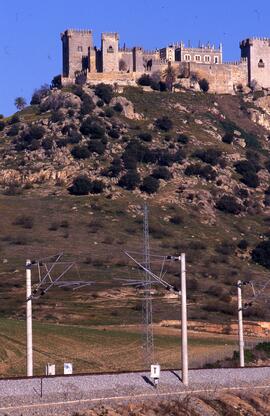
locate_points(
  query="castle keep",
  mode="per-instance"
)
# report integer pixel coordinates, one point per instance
(112, 64)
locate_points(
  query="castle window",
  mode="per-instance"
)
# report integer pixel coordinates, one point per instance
(198, 58)
(187, 58)
(207, 58)
(110, 49)
(261, 64)
(216, 59)
(80, 48)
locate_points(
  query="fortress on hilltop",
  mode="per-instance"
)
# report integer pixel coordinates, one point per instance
(122, 65)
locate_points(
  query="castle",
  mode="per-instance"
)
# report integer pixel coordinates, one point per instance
(112, 64)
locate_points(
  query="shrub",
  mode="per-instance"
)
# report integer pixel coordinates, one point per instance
(244, 166)
(243, 245)
(57, 116)
(74, 137)
(145, 80)
(251, 179)
(109, 112)
(118, 107)
(104, 92)
(229, 205)
(113, 133)
(226, 248)
(164, 123)
(39, 94)
(47, 143)
(211, 156)
(100, 103)
(228, 138)
(206, 172)
(150, 185)
(261, 254)
(87, 105)
(96, 146)
(36, 132)
(80, 152)
(114, 169)
(24, 221)
(13, 131)
(80, 186)
(176, 219)
(162, 173)
(91, 127)
(204, 84)
(183, 139)
(14, 119)
(2, 125)
(130, 180)
(97, 187)
(146, 137)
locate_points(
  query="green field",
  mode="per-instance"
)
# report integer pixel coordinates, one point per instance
(100, 349)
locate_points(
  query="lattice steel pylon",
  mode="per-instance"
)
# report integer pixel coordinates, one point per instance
(147, 310)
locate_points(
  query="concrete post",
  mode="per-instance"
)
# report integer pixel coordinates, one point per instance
(184, 321)
(29, 336)
(240, 324)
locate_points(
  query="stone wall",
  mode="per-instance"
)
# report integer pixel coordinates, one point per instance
(222, 78)
(257, 51)
(75, 50)
(110, 52)
(126, 60)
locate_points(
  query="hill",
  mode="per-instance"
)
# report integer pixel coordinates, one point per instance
(76, 167)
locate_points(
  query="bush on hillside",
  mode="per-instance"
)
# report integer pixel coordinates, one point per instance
(206, 171)
(243, 244)
(251, 179)
(80, 152)
(114, 169)
(164, 123)
(211, 156)
(13, 130)
(39, 94)
(2, 125)
(104, 92)
(150, 185)
(183, 139)
(14, 119)
(90, 127)
(261, 254)
(162, 173)
(229, 205)
(145, 80)
(96, 146)
(80, 186)
(87, 105)
(146, 137)
(114, 134)
(244, 166)
(47, 143)
(57, 116)
(228, 138)
(130, 180)
(118, 108)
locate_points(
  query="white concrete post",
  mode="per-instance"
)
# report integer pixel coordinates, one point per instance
(240, 324)
(29, 336)
(184, 321)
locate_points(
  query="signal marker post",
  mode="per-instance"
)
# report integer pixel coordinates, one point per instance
(29, 332)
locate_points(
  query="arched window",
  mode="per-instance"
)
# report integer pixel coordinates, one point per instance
(110, 49)
(216, 60)
(198, 58)
(261, 64)
(207, 58)
(187, 58)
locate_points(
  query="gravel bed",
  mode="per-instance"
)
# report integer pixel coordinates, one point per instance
(64, 389)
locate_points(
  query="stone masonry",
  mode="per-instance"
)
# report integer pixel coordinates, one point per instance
(124, 65)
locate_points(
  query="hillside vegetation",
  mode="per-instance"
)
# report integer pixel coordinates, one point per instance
(76, 167)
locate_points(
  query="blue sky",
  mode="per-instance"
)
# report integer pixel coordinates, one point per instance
(30, 46)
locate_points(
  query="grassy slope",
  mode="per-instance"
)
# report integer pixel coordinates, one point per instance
(100, 229)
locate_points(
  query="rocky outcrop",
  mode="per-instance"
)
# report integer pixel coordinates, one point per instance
(128, 108)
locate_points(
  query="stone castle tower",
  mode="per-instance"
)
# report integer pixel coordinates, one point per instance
(76, 47)
(110, 50)
(257, 53)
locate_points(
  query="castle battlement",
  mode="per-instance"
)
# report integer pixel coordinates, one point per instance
(80, 56)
